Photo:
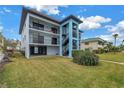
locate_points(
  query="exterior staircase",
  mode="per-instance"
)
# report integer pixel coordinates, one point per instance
(66, 45)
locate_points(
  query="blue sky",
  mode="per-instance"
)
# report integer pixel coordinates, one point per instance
(99, 21)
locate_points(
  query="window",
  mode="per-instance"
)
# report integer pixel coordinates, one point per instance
(47, 28)
(54, 30)
(35, 37)
(54, 40)
(38, 26)
(100, 43)
(41, 27)
(40, 39)
(86, 43)
(35, 25)
(35, 49)
(31, 38)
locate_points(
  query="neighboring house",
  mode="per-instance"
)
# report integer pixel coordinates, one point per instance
(92, 44)
(43, 35)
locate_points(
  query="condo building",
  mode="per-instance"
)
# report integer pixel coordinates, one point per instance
(43, 35)
(92, 44)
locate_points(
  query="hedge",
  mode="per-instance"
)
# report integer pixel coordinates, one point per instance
(85, 58)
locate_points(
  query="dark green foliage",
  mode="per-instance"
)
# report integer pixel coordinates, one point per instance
(115, 49)
(121, 47)
(85, 58)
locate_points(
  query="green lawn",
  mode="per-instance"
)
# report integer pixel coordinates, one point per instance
(60, 72)
(119, 57)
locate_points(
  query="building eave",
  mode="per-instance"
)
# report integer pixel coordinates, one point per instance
(25, 11)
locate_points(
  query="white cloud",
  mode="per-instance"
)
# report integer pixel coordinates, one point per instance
(50, 9)
(92, 22)
(114, 29)
(119, 27)
(110, 38)
(6, 10)
(87, 25)
(106, 37)
(98, 19)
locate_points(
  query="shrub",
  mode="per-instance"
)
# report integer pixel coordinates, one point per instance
(85, 58)
(115, 49)
(17, 55)
(101, 50)
(96, 51)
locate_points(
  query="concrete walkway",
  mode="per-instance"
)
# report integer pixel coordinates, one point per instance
(115, 62)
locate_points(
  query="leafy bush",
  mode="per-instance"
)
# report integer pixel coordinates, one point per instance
(17, 55)
(85, 58)
(115, 49)
(101, 50)
(121, 47)
(96, 51)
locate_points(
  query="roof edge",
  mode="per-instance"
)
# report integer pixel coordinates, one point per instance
(32, 11)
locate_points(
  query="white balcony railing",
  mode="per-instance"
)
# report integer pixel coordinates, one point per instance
(44, 29)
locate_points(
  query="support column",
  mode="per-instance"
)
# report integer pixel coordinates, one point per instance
(60, 41)
(78, 37)
(70, 38)
(27, 37)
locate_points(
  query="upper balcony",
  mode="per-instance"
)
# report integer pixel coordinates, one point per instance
(42, 26)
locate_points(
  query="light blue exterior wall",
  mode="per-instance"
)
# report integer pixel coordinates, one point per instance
(77, 34)
(61, 47)
(78, 38)
(70, 30)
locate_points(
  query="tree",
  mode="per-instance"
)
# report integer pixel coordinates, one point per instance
(115, 37)
(122, 46)
(108, 46)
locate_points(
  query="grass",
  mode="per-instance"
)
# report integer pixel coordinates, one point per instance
(59, 72)
(119, 57)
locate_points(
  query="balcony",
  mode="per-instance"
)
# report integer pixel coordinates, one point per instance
(44, 41)
(43, 28)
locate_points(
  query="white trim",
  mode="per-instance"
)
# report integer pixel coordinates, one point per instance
(45, 44)
(40, 18)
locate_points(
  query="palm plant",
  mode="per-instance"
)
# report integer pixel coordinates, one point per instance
(115, 37)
